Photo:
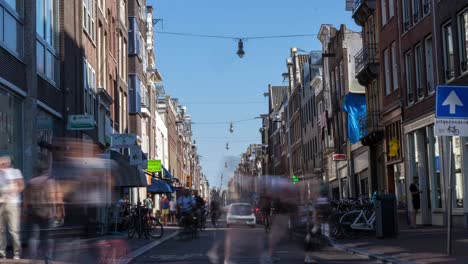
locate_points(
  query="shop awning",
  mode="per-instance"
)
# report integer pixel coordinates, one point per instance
(127, 175)
(167, 174)
(159, 186)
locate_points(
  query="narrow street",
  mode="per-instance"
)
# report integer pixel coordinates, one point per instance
(245, 245)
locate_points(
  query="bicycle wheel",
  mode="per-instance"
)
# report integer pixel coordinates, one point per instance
(155, 228)
(334, 221)
(131, 228)
(345, 224)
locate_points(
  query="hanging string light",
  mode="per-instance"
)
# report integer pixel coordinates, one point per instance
(240, 49)
(240, 40)
(231, 128)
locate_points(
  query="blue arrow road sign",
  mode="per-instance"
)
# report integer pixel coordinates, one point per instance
(452, 102)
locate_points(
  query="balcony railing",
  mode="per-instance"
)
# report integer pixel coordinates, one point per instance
(366, 56)
(369, 123)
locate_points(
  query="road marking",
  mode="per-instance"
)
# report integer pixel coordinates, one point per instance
(142, 250)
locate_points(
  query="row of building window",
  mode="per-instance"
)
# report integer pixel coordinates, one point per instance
(449, 46)
(420, 59)
(388, 10)
(88, 18)
(11, 26)
(47, 32)
(413, 11)
(390, 67)
(337, 80)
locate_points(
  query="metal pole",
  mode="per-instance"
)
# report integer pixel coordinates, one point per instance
(449, 198)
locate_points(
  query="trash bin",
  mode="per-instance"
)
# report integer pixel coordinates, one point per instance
(386, 221)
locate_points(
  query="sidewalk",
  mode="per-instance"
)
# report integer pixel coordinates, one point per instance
(91, 250)
(420, 245)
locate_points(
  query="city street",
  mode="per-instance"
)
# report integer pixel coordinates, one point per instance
(245, 245)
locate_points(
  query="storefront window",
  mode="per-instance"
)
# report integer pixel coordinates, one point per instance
(400, 186)
(434, 154)
(11, 128)
(458, 176)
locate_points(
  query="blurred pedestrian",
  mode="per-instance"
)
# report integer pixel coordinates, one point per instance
(12, 184)
(148, 203)
(415, 198)
(172, 210)
(164, 209)
(40, 203)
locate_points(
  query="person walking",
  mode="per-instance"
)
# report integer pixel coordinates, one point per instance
(12, 184)
(214, 212)
(40, 200)
(165, 209)
(172, 210)
(148, 203)
(416, 200)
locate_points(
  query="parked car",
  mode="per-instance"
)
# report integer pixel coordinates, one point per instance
(240, 214)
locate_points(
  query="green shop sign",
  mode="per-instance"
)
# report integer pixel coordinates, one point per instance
(154, 166)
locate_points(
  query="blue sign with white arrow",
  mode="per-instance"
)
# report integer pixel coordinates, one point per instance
(452, 102)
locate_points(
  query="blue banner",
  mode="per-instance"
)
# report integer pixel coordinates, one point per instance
(355, 106)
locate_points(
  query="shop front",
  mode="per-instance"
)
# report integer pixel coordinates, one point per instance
(361, 172)
(11, 128)
(424, 165)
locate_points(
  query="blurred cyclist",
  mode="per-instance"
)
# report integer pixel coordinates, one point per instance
(185, 205)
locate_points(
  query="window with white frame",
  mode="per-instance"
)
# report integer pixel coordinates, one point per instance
(124, 112)
(391, 8)
(89, 88)
(102, 5)
(388, 87)
(11, 26)
(121, 115)
(416, 12)
(133, 40)
(409, 78)
(418, 63)
(47, 33)
(426, 5)
(122, 12)
(143, 12)
(406, 14)
(429, 65)
(120, 53)
(383, 4)
(134, 88)
(448, 52)
(88, 18)
(394, 66)
(463, 33)
(124, 60)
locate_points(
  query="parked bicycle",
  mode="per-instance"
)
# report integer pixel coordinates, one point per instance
(142, 223)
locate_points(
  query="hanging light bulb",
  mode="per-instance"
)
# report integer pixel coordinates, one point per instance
(227, 145)
(240, 49)
(231, 129)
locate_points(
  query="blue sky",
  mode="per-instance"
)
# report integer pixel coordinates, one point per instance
(215, 85)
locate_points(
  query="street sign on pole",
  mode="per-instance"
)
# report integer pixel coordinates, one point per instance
(451, 120)
(451, 111)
